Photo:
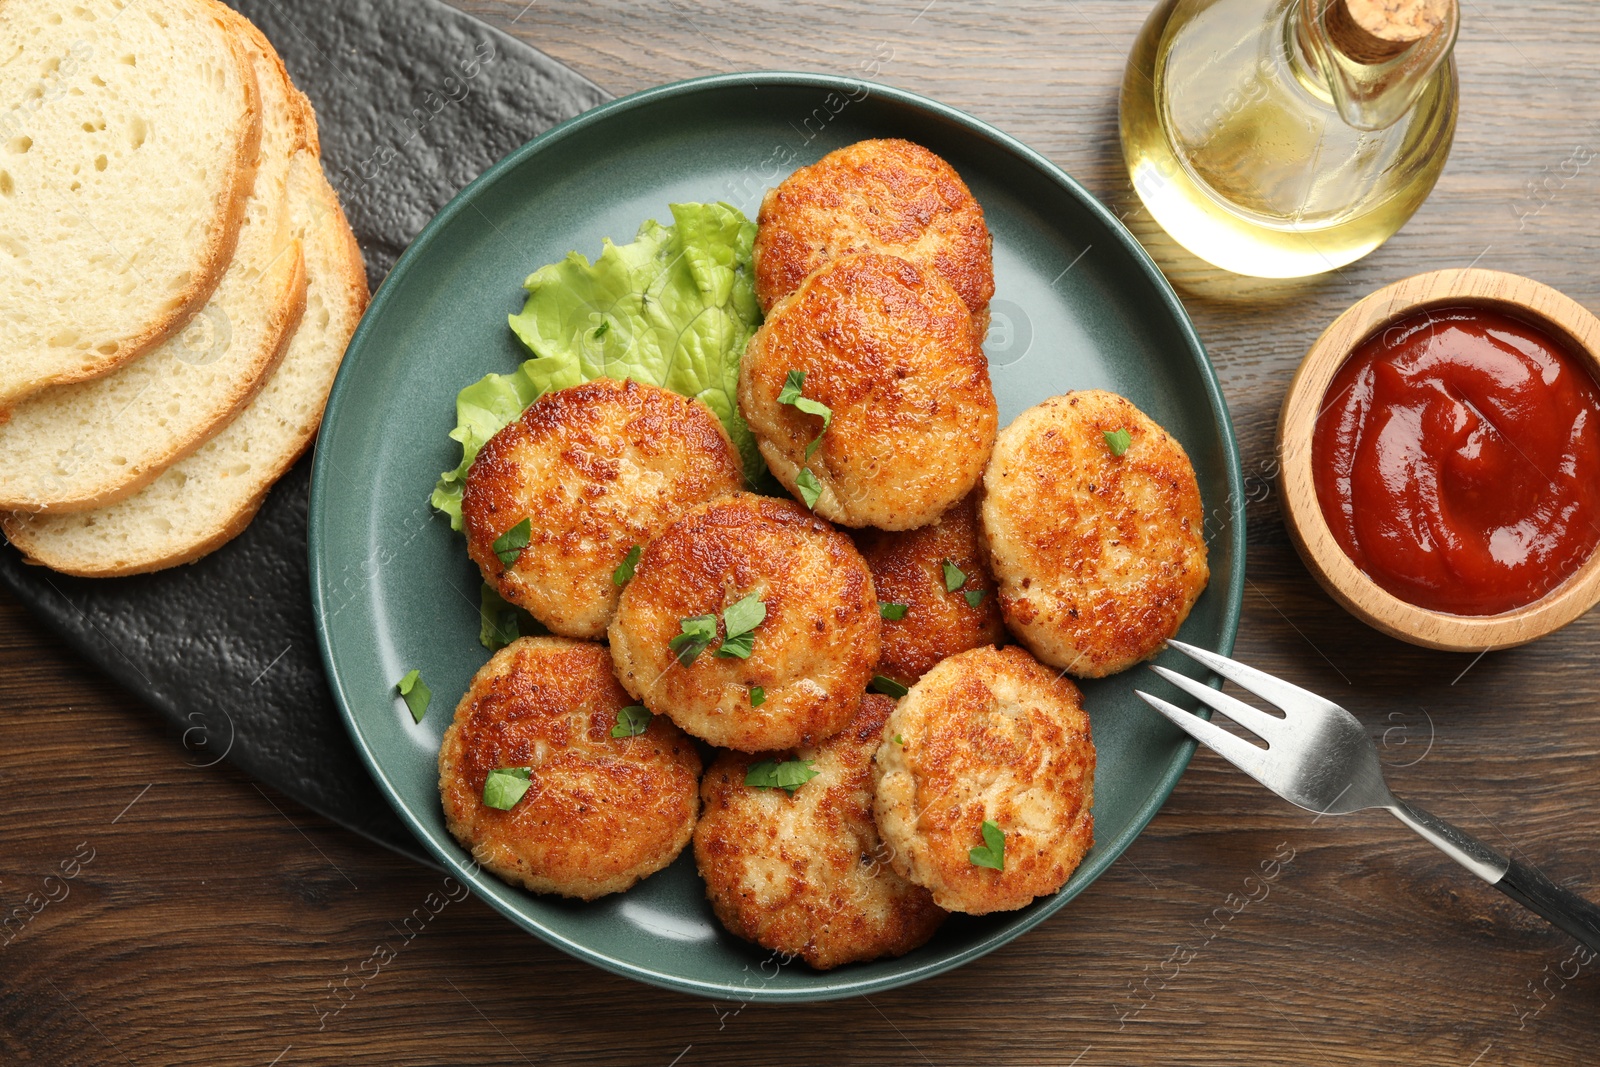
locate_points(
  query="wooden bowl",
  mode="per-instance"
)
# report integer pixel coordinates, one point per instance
(1524, 298)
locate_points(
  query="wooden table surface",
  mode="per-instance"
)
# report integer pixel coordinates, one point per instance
(211, 918)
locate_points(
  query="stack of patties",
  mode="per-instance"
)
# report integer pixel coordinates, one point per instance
(178, 282)
(883, 760)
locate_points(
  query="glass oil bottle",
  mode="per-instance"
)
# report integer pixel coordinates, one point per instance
(1282, 138)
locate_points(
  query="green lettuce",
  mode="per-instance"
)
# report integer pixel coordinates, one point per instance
(673, 308)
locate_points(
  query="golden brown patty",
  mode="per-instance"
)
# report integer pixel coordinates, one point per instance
(596, 469)
(812, 655)
(908, 570)
(875, 196)
(600, 812)
(1099, 557)
(807, 875)
(888, 347)
(990, 735)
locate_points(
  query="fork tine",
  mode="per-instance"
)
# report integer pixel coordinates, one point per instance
(1276, 691)
(1237, 751)
(1252, 719)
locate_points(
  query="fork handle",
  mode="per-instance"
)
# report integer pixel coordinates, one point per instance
(1526, 885)
(1531, 888)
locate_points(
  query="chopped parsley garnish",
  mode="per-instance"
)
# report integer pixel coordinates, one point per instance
(509, 545)
(739, 621)
(810, 488)
(415, 692)
(993, 851)
(505, 786)
(974, 597)
(899, 740)
(600, 330)
(744, 615)
(788, 775)
(1119, 441)
(892, 612)
(631, 721)
(954, 577)
(790, 394)
(698, 633)
(497, 620)
(887, 686)
(758, 696)
(625, 569)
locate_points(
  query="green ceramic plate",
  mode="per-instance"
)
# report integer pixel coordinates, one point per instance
(1078, 305)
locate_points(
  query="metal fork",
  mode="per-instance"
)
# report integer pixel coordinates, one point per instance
(1320, 758)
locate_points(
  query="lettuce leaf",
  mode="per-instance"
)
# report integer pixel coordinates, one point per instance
(673, 308)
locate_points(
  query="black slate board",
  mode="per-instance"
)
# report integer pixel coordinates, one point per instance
(414, 99)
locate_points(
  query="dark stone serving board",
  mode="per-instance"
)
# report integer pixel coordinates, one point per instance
(414, 99)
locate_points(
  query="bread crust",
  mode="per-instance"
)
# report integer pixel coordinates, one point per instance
(221, 242)
(62, 552)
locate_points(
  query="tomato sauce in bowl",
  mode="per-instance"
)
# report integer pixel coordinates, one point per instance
(1456, 460)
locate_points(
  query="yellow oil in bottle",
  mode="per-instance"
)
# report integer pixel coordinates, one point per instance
(1237, 147)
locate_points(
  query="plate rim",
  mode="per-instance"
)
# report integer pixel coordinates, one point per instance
(480, 882)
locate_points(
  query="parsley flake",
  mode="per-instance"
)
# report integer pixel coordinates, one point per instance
(974, 597)
(1119, 441)
(790, 394)
(810, 488)
(892, 612)
(739, 621)
(758, 696)
(788, 775)
(505, 786)
(738, 647)
(625, 569)
(887, 686)
(899, 740)
(415, 692)
(744, 615)
(509, 545)
(698, 633)
(992, 854)
(631, 721)
(497, 620)
(954, 577)
(600, 330)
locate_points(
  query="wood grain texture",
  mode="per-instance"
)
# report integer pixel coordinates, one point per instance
(1561, 317)
(215, 919)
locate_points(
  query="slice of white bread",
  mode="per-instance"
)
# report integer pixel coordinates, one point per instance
(86, 445)
(202, 502)
(129, 133)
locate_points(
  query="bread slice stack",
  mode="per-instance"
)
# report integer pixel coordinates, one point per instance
(177, 280)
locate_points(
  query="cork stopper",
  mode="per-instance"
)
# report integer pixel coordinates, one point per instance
(1375, 31)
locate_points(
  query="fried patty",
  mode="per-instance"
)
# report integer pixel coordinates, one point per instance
(888, 347)
(596, 469)
(806, 875)
(875, 196)
(812, 655)
(908, 569)
(1099, 557)
(600, 812)
(989, 735)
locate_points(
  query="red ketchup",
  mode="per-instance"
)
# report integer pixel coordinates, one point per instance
(1457, 461)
